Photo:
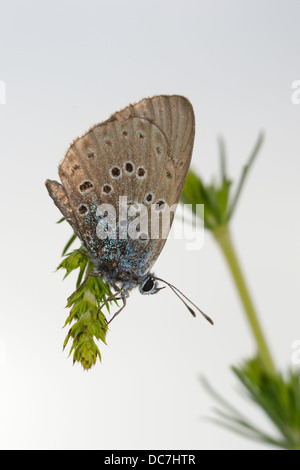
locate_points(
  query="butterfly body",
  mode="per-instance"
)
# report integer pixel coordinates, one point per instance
(143, 153)
(130, 270)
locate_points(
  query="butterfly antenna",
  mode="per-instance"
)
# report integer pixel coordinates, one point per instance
(179, 294)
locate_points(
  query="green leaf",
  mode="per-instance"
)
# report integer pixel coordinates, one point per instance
(73, 261)
(244, 174)
(223, 197)
(70, 242)
(194, 193)
(222, 153)
(219, 205)
(276, 396)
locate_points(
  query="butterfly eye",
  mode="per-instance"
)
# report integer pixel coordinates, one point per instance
(149, 286)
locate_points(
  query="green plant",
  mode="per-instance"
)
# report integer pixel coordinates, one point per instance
(86, 304)
(277, 395)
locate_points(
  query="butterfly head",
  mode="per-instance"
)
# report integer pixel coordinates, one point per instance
(149, 285)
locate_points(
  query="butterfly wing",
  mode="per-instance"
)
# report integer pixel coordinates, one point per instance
(167, 169)
(142, 152)
(174, 115)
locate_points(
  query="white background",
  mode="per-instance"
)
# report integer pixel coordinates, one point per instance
(70, 64)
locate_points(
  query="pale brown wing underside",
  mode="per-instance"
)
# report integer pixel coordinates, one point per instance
(142, 152)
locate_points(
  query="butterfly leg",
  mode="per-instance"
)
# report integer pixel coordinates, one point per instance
(123, 297)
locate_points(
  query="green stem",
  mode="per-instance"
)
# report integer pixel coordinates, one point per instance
(224, 240)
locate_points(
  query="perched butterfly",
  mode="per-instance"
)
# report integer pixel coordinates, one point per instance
(142, 152)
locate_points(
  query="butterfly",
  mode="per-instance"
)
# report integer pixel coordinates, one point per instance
(143, 153)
